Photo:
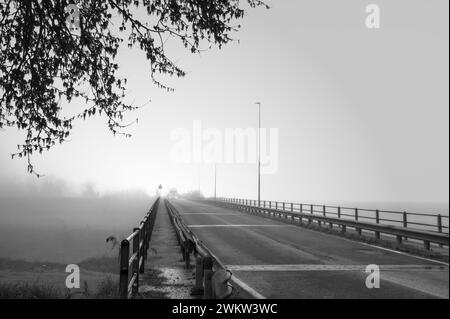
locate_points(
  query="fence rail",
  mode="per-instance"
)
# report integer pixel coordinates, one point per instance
(140, 241)
(212, 278)
(308, 213)
(405, 219)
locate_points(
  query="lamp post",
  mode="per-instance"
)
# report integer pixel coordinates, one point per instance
(215, 181)
(259, 153)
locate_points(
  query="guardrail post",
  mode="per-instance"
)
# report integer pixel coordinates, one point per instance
(358, 230)
(426, 244)
(439, 226)
(292, 207)
(198, 288)
(301, 208)
(405, 222)
(377, 219)
(399, 239)
(283, 206)
(324, 210)
(207, 275)
(339, 212)
(136, 241)
(123, 277)
(187, 257)
(312, 212)
(439, 223)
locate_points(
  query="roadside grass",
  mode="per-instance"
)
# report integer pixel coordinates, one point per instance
(39, 280)
(107, 289)
(29, 291)
(101, 264)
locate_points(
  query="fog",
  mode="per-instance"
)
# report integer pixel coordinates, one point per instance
(50, 220)
(362, 118)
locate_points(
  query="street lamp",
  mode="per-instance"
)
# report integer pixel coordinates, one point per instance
(259, 153)
(215, 181)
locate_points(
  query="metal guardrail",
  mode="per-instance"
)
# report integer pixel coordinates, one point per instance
(140, 239)
(386, 217)
(297, 217)
(212, 278)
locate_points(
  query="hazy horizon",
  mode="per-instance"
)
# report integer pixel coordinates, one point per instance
(362, 114)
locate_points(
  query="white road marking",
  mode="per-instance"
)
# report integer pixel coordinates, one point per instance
(207, 214)
(315, 267)
(236, 225)
(247, 288)
(377, 247)
(405, 254)
(370, 245)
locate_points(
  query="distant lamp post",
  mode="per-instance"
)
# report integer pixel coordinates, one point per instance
(215, 181)
(259, 153)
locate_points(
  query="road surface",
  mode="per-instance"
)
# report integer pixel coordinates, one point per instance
(278, 260)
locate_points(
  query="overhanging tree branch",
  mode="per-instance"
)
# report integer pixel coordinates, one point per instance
(41, 61)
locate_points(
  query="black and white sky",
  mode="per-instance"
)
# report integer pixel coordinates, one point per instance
(362, 114)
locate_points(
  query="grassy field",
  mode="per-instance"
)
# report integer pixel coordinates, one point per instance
(66, 230)
(39, 236)
(25, 280)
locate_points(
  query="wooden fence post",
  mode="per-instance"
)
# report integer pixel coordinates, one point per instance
(123, 277)
(136, 241)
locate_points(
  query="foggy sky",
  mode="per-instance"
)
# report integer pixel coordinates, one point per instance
(362, 114)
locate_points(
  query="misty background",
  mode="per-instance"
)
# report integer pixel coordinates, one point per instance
(362, 117)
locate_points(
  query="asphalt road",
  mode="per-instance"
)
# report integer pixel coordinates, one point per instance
(278, 260)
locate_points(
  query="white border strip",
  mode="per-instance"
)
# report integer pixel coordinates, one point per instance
(236, 225)
(247, 288)
(225, 214)
(322, 267)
